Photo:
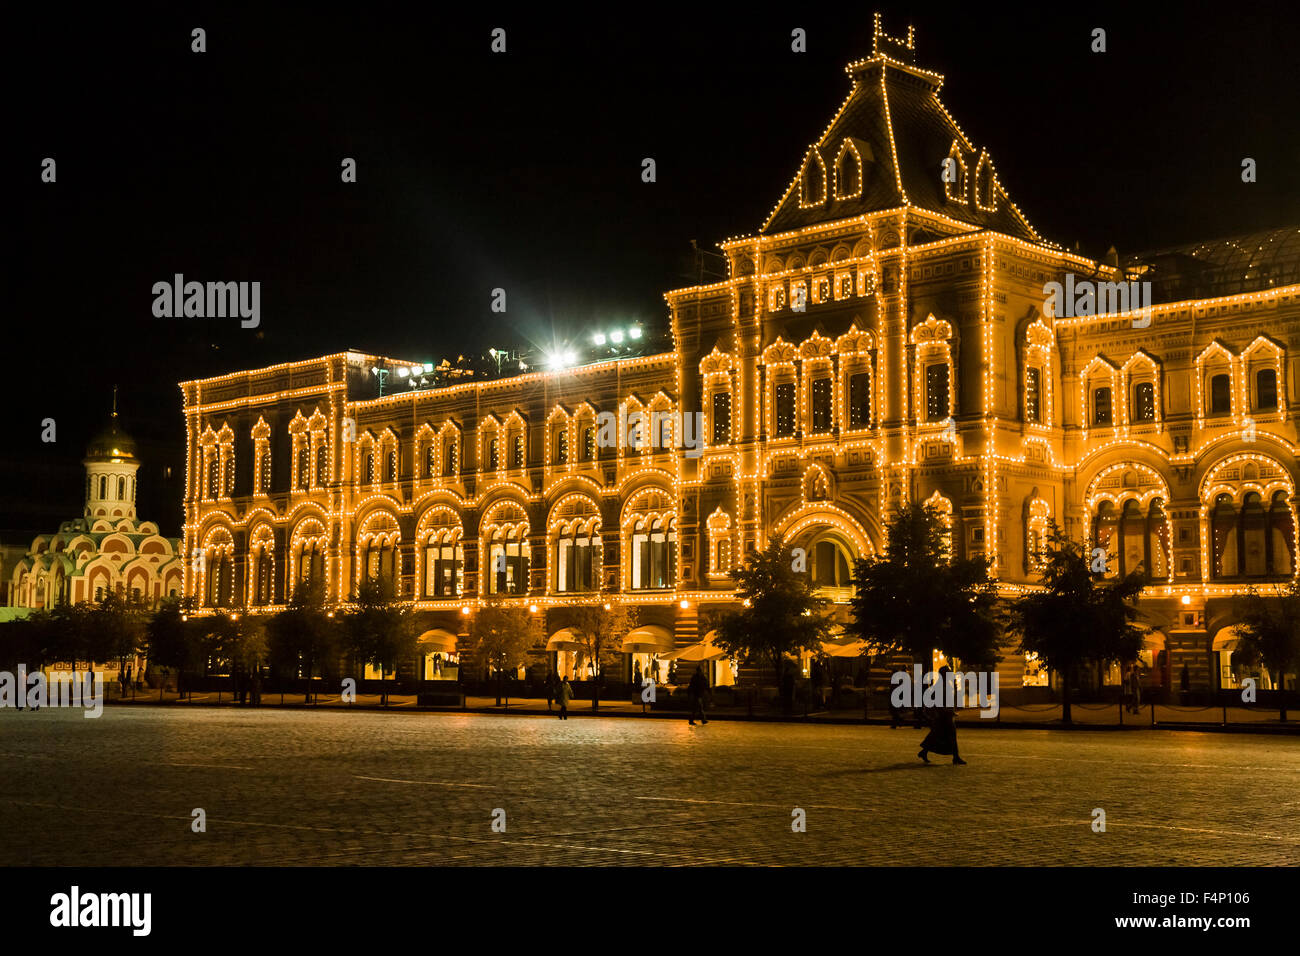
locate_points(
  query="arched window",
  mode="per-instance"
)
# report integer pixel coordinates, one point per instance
(390, 470)
(368, 470)
(322, 465)
(518, 459)
(430, 460)
(303, 478)
(508, 563)
(449, 458)
(262, 576)
(562, 447)
(494, 454)
(121, 489)
(1253, 536)
(264, 475)
(444, 566)
(1281, 536)
(1223, 531)
(830, 565)
(1104, 535)
(213, 477)
(589, 443)
(577, 563)
(654, 554)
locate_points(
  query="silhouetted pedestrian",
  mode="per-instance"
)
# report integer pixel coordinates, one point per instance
(696, 690)
(942, 738)
(552, 684)
(1185, 683)
(564, 695)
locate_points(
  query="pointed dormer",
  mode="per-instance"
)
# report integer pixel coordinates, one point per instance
(890, 145)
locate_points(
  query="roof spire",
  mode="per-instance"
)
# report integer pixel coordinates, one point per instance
(902, 50)
(114, 402)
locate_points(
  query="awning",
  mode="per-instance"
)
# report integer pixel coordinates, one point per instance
(1152, 640)
(1226, 639)
(437, 640)
(649, 639)
(699, 652)
(565, 639)
(851, 649)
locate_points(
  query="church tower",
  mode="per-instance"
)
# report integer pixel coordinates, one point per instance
(111, 466)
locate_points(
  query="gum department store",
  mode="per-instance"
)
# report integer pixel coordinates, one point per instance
(883, 337)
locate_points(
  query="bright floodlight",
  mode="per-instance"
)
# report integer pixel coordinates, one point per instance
(599, 338)
(402, 372)
(570, 357)
(616, 337)
(635, 331)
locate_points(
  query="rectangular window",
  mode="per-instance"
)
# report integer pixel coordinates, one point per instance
(784, 409)
(1266, 389)
(1033, 395)
(1144, 402)
(721, 418)
(860, 400)
(936, 392)
(821, 405)
(1220, 395)
(1101, 406)
(493, 455)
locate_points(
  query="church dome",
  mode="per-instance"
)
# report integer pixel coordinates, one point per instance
(111, 443)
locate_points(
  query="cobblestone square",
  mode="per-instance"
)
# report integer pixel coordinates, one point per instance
(331, 788)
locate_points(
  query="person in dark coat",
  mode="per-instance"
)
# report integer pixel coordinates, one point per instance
(551, 682)
(564, 694)
(696, 690)
(942, 738)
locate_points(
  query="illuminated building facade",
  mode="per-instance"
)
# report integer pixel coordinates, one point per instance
(884, 336)
(108, 550)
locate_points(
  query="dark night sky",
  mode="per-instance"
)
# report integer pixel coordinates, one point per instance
(523, 171)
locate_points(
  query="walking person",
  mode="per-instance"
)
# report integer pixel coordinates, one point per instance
(550, 684)
(696, 690)
(564, 694)
(1134, 689)
(942, 738)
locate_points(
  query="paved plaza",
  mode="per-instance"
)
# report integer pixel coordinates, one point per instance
(365, 788)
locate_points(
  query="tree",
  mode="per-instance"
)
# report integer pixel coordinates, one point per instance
(1269, 633)
(380, 630)
(243, 646)
(169, 640)
(1078, 616)
(600, 628)
(114, 630)
(781, 615)
(502, 635)
(303, 635)
(916, 598)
